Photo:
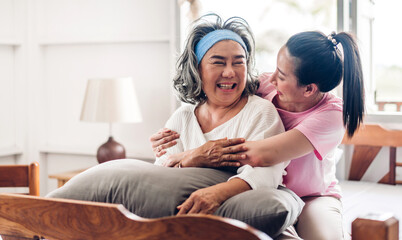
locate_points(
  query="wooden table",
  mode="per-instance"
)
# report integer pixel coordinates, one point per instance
(62, 178)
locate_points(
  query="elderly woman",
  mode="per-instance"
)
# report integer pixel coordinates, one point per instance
(214, 75)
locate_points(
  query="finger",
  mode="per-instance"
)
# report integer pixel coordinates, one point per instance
(173, 164)
(233, 157)
(194, 209)
(184, 207)
(157, 143)
(167, 145)
(170, 138)
(156, 150)
(234, 149)
(165, 139)
(164, 130)
(156, 136)
(233, 141)
(160, 135)
(160, 153)
(229, 164)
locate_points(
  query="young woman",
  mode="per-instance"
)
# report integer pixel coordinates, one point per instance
(309, 65)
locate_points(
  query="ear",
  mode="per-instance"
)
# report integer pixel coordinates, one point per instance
(310, 89)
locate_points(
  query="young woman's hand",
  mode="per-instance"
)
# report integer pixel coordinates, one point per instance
(163, 139)
(214, 153)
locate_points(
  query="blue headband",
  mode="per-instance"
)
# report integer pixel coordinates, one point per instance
(212, 38)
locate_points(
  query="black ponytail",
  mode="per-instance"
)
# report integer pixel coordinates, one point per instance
(353, 88)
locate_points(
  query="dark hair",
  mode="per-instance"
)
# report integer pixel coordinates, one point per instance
(319, 61)
(187, 81)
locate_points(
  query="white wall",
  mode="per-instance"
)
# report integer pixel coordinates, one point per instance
(48, 50)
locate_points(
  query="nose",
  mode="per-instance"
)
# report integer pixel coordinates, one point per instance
(228, 71)
(273, 78)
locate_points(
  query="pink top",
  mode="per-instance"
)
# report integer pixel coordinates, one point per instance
(314, 173)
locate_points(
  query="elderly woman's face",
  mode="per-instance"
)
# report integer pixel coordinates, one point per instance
(223, 72)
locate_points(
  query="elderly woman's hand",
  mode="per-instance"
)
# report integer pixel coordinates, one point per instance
(163, 139)
(214, 153)
(207, 200)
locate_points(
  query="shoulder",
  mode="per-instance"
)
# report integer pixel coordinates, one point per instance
(185, 109)
(262, 111)
(181, 116)
(331, 102)
(258, 105)
(258, 102)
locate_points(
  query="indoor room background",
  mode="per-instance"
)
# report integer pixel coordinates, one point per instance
(50, 48)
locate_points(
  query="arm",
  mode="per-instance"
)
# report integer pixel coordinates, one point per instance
(320, 132)
(276, 149)
(215, 153)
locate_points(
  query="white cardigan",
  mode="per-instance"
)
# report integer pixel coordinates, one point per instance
(257, 120)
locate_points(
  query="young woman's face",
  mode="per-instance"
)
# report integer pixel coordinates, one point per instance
(223, 72)
(285, 81)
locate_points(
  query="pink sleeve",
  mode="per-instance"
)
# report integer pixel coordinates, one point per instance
(265, 85)
(324, 130)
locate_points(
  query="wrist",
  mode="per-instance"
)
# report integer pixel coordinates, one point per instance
(186, 160)
(233, 187)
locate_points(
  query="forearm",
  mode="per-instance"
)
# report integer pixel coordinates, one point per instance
(277, 149)
(231, 188)
(262, 177)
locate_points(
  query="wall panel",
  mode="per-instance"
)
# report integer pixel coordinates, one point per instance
(86, 19)
(7, 21)
(66, 70)
(7, 97)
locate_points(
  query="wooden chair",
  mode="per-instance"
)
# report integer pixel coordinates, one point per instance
(368, 141)
(21, 176)
(28, 217)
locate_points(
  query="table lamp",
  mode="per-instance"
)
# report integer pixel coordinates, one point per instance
(110, 100)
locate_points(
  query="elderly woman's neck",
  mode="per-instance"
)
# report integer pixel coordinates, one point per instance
(210, 115)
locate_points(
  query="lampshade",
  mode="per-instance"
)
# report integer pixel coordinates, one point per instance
(111, 100)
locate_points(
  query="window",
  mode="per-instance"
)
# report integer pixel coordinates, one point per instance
(387, 52)
(272, 21)
(372, 20)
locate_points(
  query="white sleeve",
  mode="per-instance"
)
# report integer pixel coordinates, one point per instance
(263, 124)
(174, 123)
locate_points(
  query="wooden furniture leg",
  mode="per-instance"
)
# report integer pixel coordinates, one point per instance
(375, 227)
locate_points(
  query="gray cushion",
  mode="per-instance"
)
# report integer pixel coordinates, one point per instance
(152, 191)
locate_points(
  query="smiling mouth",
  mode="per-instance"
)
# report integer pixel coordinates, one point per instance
(226, 86)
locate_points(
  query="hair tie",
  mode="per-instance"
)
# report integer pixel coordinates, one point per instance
(212, 38)
(332, 39)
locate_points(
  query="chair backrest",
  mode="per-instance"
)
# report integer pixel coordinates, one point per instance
(21, 176)
(24, 217)
(367, 142)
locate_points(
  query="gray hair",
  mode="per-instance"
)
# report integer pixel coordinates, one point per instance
(187, 81)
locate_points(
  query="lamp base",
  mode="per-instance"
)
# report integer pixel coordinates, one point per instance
(110, 150)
